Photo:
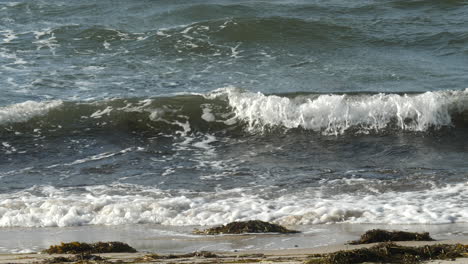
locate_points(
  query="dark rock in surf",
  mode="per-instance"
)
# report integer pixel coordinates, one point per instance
(98, 247)
(254, 226)
(379, 235)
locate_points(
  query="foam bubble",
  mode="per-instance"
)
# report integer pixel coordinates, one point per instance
(8, 36)
(207, 115)
(106, 45)
(100, 113)
(8, 148)
(51, 43)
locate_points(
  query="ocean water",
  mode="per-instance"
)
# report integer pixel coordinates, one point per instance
(196, 113)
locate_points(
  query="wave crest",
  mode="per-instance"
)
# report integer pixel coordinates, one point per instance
(23, 112)
(336, 114)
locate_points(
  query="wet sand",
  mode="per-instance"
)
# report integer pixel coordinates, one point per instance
(252, 256)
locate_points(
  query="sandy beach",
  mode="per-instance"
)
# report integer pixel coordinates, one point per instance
(254, 256)
(180, 246)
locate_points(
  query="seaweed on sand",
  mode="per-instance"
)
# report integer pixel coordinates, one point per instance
(75, 258)
(98, 247)
(198, 254)
(391, 253)
(379, 235)
(58, 260)
(254, 226)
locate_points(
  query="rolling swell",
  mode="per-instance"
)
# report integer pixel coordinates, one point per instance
(429, 3)
(212, 37)
(274, 24)
(158, 115)
(215, 36)
(232, 111)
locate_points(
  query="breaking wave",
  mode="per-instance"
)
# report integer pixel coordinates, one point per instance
(337, 114)
(230, 109)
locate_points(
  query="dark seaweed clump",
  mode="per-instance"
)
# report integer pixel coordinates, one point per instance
(75, 258)
(254, 226)
(391, 253)
(99, 247)
(379, 235)
(198, 254)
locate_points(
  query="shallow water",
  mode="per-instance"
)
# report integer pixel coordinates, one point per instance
(181, 114)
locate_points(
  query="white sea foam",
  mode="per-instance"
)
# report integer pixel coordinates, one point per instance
(205, 143)
(8, 36)
(51, 43)
(334, 114)
(5, 54)
(24, 111)
(106, 45)
(8, 148)
(207, 115)
(99, 156)
(100, 113)
(130, 204)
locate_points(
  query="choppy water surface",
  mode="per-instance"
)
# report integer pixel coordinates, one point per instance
(200, 113)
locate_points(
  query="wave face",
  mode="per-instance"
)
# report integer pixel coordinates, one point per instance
(231, 109)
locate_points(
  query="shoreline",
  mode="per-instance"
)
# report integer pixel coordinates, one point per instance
(179, 240)
(252, 256)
